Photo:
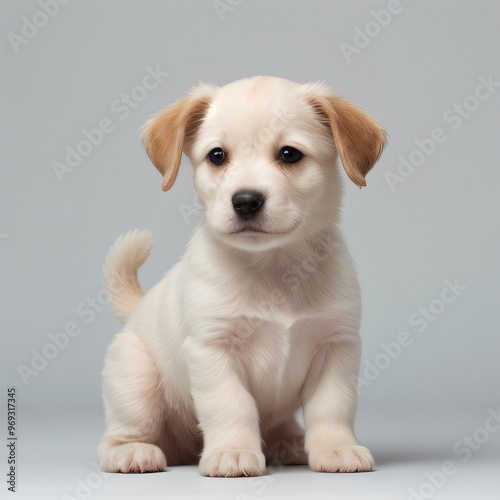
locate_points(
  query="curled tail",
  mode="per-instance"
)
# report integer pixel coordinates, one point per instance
(125, 257)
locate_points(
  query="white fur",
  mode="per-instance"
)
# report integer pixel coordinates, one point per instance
(217, 358)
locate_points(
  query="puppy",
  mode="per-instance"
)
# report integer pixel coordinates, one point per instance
(261, 316)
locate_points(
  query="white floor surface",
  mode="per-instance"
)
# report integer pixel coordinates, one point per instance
(57, 460)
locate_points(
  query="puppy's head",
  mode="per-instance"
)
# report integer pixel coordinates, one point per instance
(264, 152)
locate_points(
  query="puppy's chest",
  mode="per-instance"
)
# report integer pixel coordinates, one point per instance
(285, 297)
(271, 353)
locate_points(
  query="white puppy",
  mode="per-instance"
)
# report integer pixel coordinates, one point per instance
(261, 316)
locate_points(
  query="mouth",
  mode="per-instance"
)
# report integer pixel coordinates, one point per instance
(255, 231)
(249, 230)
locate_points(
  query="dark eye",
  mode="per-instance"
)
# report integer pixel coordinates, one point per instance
(217, 156)
(290, 155)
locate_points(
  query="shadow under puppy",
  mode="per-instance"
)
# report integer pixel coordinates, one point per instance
(261, 316)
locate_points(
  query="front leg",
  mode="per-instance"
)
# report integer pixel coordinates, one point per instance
(329, 400)
(227, 412)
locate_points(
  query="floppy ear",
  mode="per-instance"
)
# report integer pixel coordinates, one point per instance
(171, 132)
(359, 138)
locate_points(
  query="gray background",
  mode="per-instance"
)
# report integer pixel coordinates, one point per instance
(440, 223)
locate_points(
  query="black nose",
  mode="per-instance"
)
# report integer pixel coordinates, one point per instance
(247, 203)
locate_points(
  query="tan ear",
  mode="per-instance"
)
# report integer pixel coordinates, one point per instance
(169, 133)
(359, 138)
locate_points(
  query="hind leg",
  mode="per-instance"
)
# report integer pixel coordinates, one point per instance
(134, 406)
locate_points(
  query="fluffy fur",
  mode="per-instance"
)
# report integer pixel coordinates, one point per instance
(260, 317)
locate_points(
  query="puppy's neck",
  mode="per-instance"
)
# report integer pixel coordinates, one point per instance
(319, 244)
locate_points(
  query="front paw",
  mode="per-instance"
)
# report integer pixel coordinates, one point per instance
(132, 457)
(232, 463)
(346, 459)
